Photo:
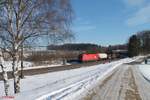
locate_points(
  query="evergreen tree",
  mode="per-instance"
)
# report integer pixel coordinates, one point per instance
(133, 46)
(144, 37)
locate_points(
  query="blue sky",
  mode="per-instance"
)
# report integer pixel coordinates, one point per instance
(108, 22)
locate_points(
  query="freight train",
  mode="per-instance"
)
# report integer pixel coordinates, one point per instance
(92, 57)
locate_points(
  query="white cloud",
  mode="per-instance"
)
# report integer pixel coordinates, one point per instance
(134, 2)
(142, 16)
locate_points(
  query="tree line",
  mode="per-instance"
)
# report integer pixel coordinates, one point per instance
(139, 43)
(88, 47)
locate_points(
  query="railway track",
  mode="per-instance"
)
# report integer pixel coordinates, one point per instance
(30, 72)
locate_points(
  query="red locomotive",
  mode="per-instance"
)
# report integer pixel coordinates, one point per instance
(92, 57)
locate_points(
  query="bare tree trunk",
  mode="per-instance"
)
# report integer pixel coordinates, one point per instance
(21, 76)
(16, 72)
(5, 77)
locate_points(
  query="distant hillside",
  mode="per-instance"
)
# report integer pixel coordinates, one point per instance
(78, 47)
(87, 47)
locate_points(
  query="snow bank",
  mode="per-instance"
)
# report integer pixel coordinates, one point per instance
(66, 93)
(73, 91)
(145, 69)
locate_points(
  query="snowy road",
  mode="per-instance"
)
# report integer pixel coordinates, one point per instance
(126, 83)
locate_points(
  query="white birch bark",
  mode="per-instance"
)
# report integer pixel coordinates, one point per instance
(5, 77)
(16, 73)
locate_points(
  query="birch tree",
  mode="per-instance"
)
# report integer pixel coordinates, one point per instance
(4, 73)
(23, 20)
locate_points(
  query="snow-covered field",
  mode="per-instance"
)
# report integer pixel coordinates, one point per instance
(29, 65)
(62, 84)
(8, 64)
